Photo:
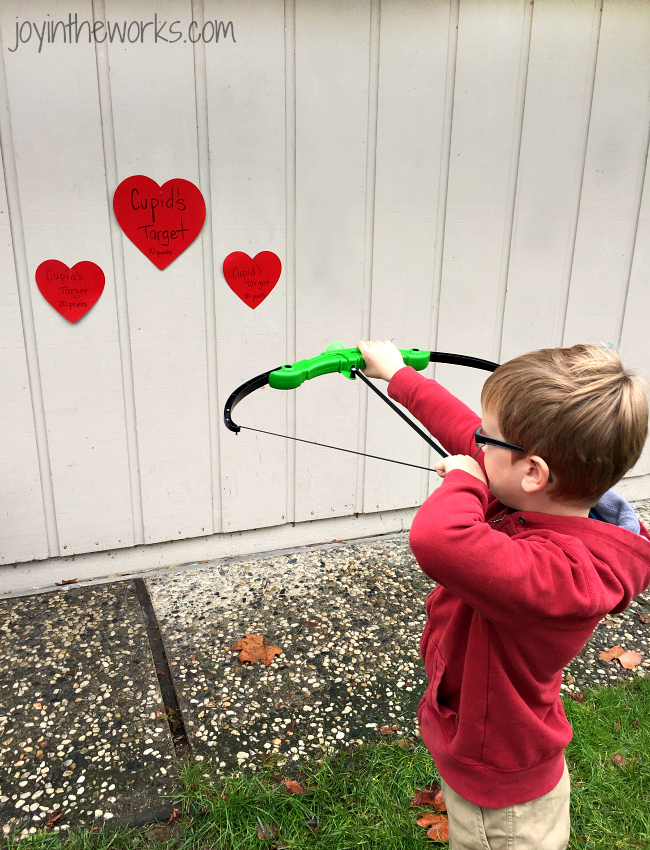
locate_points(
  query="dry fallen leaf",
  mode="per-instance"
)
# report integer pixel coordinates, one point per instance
(579, 697)
(630, 659)
(645, 618)
(266, 832)
(431, 795)
(52, 818)
(387, 730)
(65, 581)
(611, 653)
(251, 649)
(439, 832)
(175, 815)
(619, 761)
(269, 654)
(294, 787)
(439, 826)
(159, 833)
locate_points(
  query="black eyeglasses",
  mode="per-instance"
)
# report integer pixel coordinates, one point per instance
(481, 440)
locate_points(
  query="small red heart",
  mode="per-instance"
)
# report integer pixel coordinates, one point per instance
(71, 291)
(162, 221)
(252, 279)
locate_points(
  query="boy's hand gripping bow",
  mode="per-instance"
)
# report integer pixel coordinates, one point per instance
(349, 362)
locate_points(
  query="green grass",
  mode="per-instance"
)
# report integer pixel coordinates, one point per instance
(360, 799)
(610, 805)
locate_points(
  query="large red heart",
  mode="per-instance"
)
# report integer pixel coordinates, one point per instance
(252, 279)
(71, 291)
(162, 221)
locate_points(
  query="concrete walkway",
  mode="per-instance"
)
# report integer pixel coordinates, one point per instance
(105, 689)
(82, 726)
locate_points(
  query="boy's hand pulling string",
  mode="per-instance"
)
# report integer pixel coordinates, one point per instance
(464, 462)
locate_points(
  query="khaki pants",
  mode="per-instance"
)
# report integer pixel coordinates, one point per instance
(541, 824)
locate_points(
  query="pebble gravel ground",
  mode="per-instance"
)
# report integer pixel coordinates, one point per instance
(81, 725)
(348, 619)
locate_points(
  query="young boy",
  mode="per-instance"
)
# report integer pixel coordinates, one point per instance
(530, 549)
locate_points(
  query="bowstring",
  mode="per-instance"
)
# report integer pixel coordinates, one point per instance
(337, 448)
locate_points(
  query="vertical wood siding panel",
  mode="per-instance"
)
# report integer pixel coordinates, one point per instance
(53, 100)
(290, 264)
(492, 45)
(635, 339)
(614, 170)
(332, 66)
(412, 67)
(22, 517)
(154, 111)
(247, 127)
(558, 100)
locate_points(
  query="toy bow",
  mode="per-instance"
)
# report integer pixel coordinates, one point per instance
(349, 362)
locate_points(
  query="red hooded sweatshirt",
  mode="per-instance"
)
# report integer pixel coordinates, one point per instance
(518, 595)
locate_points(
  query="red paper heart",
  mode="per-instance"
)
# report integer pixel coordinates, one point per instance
(162, 221)
(252, 279)
(71, 291)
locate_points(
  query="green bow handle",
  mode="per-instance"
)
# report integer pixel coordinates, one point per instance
(335, 358)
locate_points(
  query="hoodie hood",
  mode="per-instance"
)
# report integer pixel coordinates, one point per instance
(614, 509)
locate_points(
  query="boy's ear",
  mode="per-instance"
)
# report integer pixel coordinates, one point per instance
(536, 474)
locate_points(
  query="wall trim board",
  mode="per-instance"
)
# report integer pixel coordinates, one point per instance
(113, 564)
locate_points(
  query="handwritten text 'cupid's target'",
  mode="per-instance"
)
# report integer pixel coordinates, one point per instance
(252, 279)
(162, 221)
(71, 291)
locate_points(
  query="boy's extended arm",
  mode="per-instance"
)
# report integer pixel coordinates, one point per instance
(441, 413)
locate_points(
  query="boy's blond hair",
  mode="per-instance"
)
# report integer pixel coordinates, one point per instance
(577, 408)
